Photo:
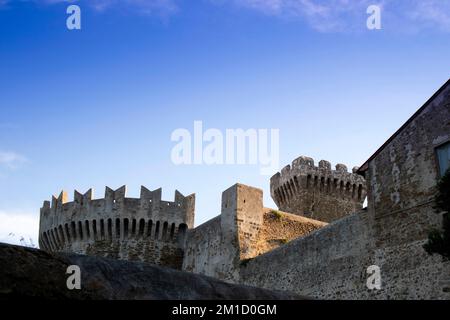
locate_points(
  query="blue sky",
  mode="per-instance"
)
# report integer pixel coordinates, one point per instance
(97, 106)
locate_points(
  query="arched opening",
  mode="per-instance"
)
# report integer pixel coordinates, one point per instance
(164, 231)
(109, 228)
(80, 229)
(308, 181)
(55, 235)
(141, 227)
(61, 233)
(172, 231)
(94, 228)
(102, 229)
(126, 224)
(73, 230)
(157, 230)
(182, 228)
(149, 228)
(297, 185)
(46, 242)
(55, 244)
(88, 231)
(280, 198)
(68, 237)
(288, 188)
(282, 194)
(51, 240)
(117, 228)
(294, 191)
(133, 227)
(286, 193)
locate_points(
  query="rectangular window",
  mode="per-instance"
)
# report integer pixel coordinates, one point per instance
(443, 154)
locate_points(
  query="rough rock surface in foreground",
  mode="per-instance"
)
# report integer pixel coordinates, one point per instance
(33, 273)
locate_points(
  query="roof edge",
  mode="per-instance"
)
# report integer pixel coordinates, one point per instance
(365, 165)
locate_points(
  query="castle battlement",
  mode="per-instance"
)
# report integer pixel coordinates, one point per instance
(149, 204)
(87, 225)
(318, 191)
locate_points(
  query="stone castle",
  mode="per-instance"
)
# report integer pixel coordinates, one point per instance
(318, 192)
(145, 229)
(319, 242)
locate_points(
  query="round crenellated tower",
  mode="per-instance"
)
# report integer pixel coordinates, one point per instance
(318, 192)
(142, 229)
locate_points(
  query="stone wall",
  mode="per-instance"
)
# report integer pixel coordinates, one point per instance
(244, 230)
(206, 252)
(318, 192)
(217, 247)
(280, 228)
(327, 263)
(144, 229)
(331, 263)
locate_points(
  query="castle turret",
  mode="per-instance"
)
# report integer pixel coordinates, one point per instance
(144, 229)
(318, 192)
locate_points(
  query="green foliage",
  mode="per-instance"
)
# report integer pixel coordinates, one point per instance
(277, 214)
(439, 242)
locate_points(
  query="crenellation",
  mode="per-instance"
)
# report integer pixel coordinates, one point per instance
(157, 196)
(325, 165)
(83, 199)
(317, 192)
(341, 167)
(179, 198)
(97, 226)
(146, 194)
(119, 194)
(303, 162)
(57, 203)
(45, 210)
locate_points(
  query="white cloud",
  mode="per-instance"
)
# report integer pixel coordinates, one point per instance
(348, 15)
(19, 228)
(11, 160)
(321, 15)
(431, 14)
(160, 7)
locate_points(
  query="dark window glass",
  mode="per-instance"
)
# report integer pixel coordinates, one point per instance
(443, 154)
